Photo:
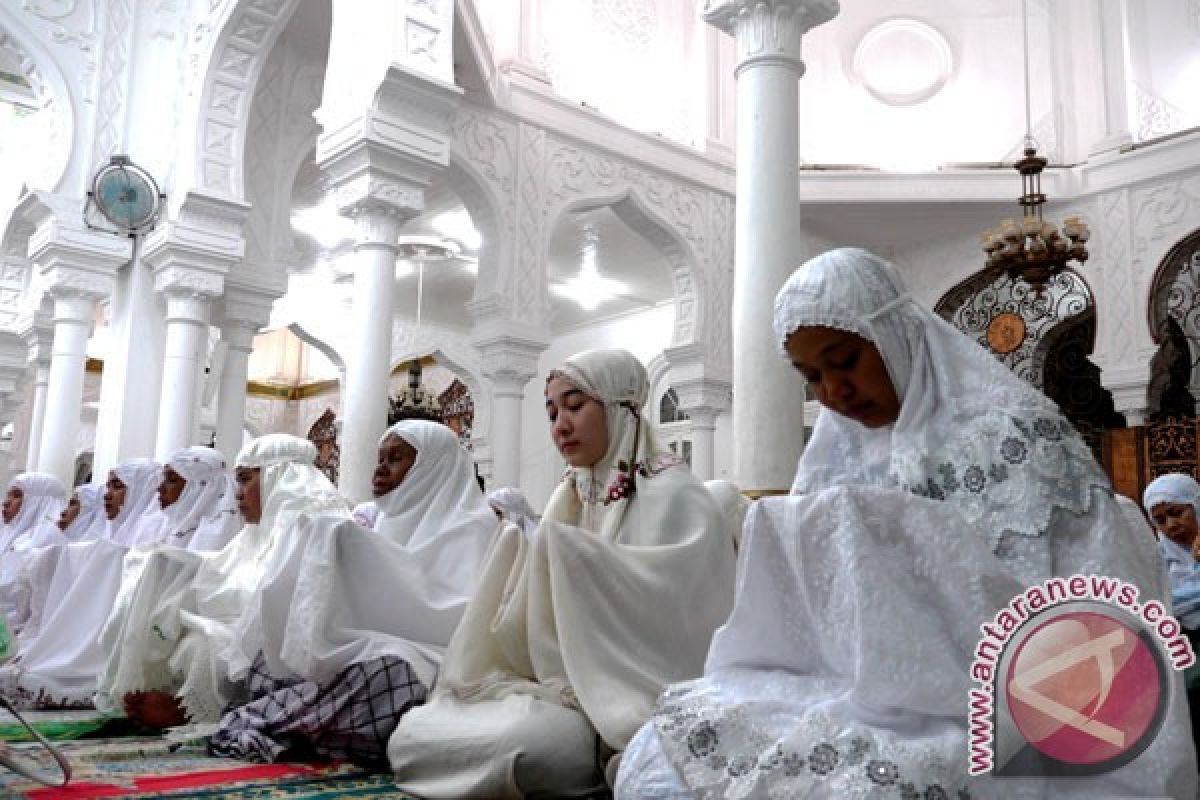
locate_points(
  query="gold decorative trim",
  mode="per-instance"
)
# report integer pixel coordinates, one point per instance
(94, 365)
(290, 392)
(758, 494)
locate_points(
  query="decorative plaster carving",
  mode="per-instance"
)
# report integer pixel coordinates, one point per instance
(181, 280)
(633, 21)
(487, 142)
(62, 282)
(1155, 115)
(422, 40)
(1116, 296)
(242, 48)
(112, 80)
(526, 285)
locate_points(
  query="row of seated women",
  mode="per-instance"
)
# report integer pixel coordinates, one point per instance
(617, 644)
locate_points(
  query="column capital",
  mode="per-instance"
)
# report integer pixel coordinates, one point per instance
(509, 362)
(244, 311)
(1129, 386)
(207, 229)
(36, 329)
(492, 319)
(769, 31)
(383, 156)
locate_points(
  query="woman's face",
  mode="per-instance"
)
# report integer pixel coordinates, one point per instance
(70, 513)
(396, 458)
(114, 495)
(578, 424)
(12, 503)
(1176, 521)
(846, 373)
(171, 487)
(249, 498)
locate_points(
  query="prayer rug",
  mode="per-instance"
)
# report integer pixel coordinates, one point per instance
(151, 767)
(54, 725)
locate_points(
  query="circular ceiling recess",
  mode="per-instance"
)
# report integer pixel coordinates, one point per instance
(903, 62)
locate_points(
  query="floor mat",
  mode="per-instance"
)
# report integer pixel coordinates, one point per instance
(150, 767)
(54, 725)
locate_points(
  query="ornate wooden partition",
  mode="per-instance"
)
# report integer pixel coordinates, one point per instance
(1135, 456)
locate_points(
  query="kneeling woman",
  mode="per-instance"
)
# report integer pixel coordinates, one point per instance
(347, 630)
(936, 488)
(574, 632)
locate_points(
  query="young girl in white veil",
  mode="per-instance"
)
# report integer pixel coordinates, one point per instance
(937, 486)
(574, 631)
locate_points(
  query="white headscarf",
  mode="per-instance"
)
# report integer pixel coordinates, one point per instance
(35, 524)
(203, 594)
(140, 516)
(1174, 487)
(318, 612)
(90, 522)
(204, 517)
(733, 505)
(564, 616)
(515, 508)
(969, 430)
(439, 496)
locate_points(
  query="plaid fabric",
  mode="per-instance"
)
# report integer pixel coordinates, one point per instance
(351, 718)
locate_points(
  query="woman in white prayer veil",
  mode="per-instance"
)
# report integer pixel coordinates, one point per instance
(204, 515)
(168, 637)
(348, 629)
(83, 519)
(32, 505)
(936, 488)
(573, 633)
(72, 588)
(131, 501)
(512, 505)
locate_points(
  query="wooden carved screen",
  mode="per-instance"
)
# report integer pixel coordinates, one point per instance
(458, 409)
(323, 434)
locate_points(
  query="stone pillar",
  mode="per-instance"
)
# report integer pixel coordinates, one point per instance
(368, 361)
(768, 434)
(74, 310)
(37, 332)
(245, 312)
(379, 157)
(14, 372)
(1129, 387)
(508, 362)
(704, 396)
(189, 294)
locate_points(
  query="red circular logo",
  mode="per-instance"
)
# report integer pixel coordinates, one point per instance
(1085, 688)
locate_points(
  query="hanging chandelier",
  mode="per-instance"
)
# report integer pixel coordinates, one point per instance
(416, 402)
(1033, 249)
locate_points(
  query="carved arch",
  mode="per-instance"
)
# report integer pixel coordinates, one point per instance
(1174, 307)
(487, 215)
(248, 33)
(633, 207)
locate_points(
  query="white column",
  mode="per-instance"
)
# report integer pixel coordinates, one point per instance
(768, 433)
(704, 426)
(507, 397)
(509, 359)
(368, 363)
(37, 417)
(73, 312)
(185, 350)
(231, 398)
(1115, 82)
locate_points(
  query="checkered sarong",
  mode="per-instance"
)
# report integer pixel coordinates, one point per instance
(350, 718)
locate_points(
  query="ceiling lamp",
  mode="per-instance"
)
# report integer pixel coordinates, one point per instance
(1033, 249)
(589, 288)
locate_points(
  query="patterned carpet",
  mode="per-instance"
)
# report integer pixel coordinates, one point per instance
(149, 767)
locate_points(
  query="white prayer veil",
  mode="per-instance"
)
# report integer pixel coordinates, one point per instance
(515, 508)
(438, 496)
(44, 499)
(1174, 487)
(564, 616)
(90, 523)
(617, 380)
(140, 510)
(969, 430)
(733, 505)
(204, 516)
